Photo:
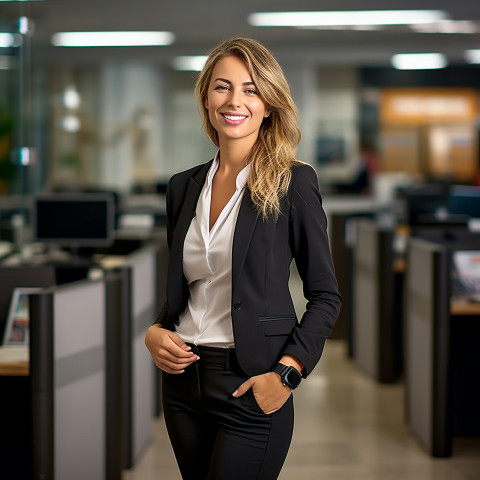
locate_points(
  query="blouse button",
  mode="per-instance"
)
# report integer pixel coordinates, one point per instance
(237, 305)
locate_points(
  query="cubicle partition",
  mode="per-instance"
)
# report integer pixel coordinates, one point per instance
(92, 382)
(427, 334)
(341, 237)
(376, 325)
(144, 310)
(68, 377)
(441, 359)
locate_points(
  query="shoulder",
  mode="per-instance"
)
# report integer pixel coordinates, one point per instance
(183, 177)
(303, 173)
(304, 182)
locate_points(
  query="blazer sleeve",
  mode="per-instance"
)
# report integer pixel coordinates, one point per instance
(311, 250)
(162, 316)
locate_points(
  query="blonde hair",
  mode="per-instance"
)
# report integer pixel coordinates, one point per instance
(273, 154)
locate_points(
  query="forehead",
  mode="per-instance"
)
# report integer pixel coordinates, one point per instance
(231, 68)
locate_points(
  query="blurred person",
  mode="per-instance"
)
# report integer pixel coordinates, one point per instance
(228, 340)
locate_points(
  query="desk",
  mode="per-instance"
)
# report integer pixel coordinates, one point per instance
(457, 307)
(442, 368)
(464, 308)
(14, 361)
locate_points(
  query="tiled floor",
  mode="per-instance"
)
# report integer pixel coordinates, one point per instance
(347, 427)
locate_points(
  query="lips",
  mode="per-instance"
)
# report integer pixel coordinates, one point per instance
(232, 119)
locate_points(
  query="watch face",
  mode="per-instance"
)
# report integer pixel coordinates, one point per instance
(292, 378)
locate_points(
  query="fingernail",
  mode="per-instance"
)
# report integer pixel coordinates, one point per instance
(198, 358)
(188, 348)
(235, 393)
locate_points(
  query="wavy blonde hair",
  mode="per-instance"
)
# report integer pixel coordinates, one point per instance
(273, 153)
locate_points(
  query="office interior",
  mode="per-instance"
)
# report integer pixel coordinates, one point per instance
(89, 137)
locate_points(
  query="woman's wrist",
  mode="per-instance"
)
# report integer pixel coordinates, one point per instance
(291, 361)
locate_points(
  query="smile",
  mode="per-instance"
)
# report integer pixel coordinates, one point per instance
(234, 119)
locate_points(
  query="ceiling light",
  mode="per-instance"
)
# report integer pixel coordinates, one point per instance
(71, 98)
(473, 55)
(70, 123)
(359, 17)
(419, 61)
(192, 63)
(7, 40)
(447, 26)
(112, 39)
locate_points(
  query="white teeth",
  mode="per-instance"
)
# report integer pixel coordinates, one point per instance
(235, 118)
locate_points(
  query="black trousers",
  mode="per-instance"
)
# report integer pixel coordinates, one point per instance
(216, 436)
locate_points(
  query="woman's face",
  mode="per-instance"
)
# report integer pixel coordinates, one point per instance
(235, 108)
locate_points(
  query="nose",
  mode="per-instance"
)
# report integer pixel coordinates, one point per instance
(234, 100)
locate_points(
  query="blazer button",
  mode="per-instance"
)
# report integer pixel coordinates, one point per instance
(237, 305)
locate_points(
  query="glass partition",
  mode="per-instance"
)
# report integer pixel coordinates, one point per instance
(21, 111)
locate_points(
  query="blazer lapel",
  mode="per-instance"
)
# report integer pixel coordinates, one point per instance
(246, 222)
(187, 212)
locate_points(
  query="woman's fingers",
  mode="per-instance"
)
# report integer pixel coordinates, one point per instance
(168, 350)
(244, 387)
(268, 390)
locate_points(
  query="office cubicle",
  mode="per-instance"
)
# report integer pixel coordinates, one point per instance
(441, 345)
(144, 310)
(68, 381)
(376, 317)
(87, 346)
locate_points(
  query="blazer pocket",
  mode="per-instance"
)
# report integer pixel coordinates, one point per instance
(278, 324)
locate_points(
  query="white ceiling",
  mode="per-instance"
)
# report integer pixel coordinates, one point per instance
(200, 24)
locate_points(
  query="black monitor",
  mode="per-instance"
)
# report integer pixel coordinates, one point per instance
(464, 200)
(74, 220)
(425, 204)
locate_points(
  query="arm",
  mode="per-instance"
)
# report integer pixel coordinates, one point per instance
(310, 248)
(309, 244)
(168, 350)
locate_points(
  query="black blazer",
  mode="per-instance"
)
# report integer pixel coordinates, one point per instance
(264, 322)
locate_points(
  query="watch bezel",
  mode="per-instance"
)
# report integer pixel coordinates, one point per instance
(289, 375)
(292, 378)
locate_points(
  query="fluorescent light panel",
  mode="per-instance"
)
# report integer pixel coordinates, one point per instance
(193, 63)
(359, 17)
(473, 55)
(419, 61)
(112, 39)
(447, 26)
(7, 40)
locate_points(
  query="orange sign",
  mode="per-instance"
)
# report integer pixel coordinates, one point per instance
(427, 105)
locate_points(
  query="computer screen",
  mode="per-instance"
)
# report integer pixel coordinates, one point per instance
(465, 200)
(74, 220)
(424, 203)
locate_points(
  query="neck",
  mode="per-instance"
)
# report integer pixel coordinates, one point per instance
(233, 155)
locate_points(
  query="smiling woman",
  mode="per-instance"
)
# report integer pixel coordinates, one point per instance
(228, 339)
(235, 108)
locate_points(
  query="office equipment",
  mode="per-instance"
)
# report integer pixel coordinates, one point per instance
(464, 200)
(425, 204)
(17, 325)
(442, 394)
(74, 220)
(466, 275)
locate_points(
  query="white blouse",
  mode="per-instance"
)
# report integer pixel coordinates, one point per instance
(207, 265)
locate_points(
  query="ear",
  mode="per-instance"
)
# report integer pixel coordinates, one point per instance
(267, 113)
(206, 103)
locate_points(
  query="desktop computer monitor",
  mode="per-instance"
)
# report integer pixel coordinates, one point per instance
(424, 203)
(74, 220)
(464, 200)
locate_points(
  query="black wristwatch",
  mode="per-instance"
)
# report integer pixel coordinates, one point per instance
(290, 376)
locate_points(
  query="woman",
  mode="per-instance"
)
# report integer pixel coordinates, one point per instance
(228, 340)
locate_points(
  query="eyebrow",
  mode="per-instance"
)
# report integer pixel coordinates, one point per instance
(230, 83)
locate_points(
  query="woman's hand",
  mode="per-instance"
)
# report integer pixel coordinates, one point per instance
(169, 352)
(268, 389)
